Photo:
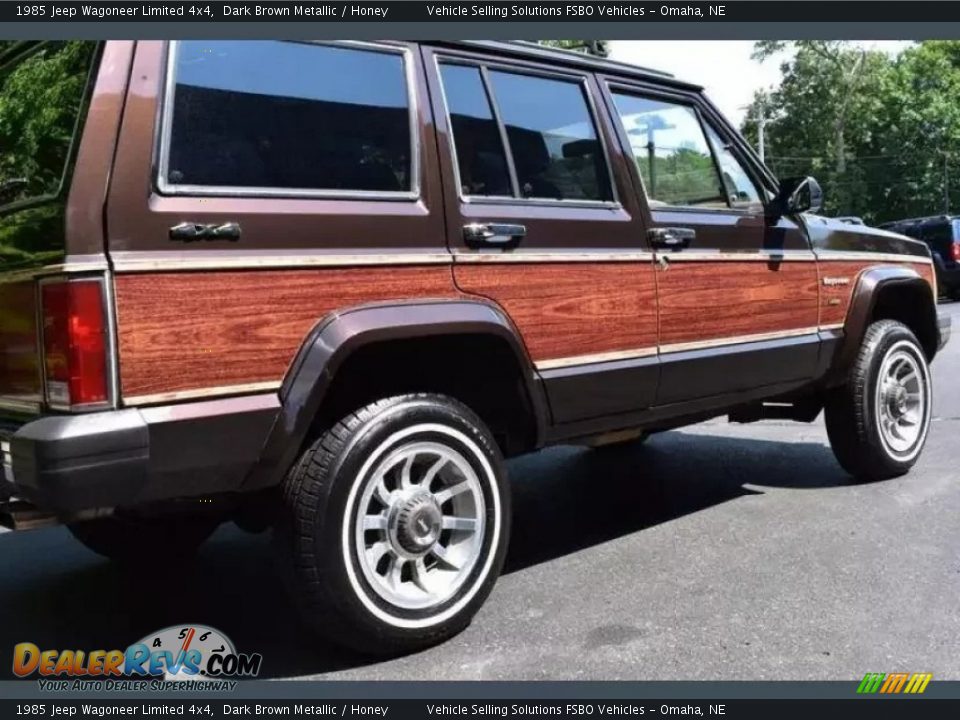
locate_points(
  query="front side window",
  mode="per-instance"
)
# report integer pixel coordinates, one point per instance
(280, 116)
(740, 189)
(671, 153)
(551, 138)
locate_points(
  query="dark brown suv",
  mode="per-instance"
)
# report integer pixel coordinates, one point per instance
(328, 287)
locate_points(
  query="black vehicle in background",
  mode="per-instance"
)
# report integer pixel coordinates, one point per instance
(942, 234)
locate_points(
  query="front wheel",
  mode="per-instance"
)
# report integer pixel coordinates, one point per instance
(394, 524)
(878, 421)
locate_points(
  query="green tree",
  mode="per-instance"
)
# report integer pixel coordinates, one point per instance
(600, 48)
(882, 134)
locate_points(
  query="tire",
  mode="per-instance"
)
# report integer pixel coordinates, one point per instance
(126, 538)
(386, 589)
(877, 429)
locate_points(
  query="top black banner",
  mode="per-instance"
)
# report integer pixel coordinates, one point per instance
(420, 12)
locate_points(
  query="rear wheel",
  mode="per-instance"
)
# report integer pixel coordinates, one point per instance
(878, 421)
(394, 524)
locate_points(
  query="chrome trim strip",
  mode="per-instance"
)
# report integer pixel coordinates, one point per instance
(210, 408)
(555, 363)
(739, 256)
(832, 326)
(247, 389)
(827, 255)
(736, 340)
(30, 407)
(637, 353)
(551, 257)
(166, 123)
(131, 263)
(64, 268)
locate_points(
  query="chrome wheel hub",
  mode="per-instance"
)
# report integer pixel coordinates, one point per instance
(419, 525)
(902, 400)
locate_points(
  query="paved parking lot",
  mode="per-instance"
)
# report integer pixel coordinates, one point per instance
(716, 552)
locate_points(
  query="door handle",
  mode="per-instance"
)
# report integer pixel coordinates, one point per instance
(673, 238)
(493, 233)
(190, 232)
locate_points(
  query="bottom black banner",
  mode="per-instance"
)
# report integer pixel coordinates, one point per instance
(876, 707)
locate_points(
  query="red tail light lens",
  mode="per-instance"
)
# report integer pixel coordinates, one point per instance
(955, 252)
(74, 342)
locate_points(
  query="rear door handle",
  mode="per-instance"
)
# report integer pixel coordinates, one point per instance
(190, 232)
(493, 233)
(673, 238)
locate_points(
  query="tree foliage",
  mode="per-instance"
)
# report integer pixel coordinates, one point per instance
(881, 133)
(600, 48)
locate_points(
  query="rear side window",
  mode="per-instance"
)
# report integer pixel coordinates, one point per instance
(553, 151)
(271, 117)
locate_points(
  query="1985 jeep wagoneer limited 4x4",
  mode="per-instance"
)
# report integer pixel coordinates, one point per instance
(328, 287)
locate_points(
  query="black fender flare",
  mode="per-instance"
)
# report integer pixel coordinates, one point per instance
(341, 333)
(862, 304)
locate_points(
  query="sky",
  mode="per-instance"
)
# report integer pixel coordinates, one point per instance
(722, 67)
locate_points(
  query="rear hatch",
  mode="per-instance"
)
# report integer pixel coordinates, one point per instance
(44, 91)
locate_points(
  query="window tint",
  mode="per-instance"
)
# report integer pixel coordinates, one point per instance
(552, 138)
(41, 97)
(671, 152)
(480, 157)
(741, 192)
(289, 115)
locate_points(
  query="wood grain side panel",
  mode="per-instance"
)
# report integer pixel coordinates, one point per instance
(19, 354)
(835, 298)
(571, 309)
(702, 301)
(179, 332)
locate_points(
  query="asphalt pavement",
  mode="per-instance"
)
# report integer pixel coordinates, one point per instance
(714, 552)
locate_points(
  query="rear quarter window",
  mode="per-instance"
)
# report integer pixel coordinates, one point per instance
(271, 117)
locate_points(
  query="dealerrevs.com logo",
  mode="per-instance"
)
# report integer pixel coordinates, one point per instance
(180, 657)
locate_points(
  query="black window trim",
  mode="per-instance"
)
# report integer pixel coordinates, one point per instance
(75, 136)
(696, 103)
(162, 149)
(484, 64)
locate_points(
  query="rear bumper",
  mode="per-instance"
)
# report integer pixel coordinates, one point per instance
(943, 329)
(124, 458)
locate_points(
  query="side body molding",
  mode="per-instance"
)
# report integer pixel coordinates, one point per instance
(863, 303)
(341, 333)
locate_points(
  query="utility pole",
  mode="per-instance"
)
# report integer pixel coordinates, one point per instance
(946, 184)
(761, 136)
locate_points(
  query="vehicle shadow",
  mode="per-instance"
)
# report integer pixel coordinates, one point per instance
(57, 594)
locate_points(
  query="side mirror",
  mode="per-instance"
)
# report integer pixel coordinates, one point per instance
(797, 195)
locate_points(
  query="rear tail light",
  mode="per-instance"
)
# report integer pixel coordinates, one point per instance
(955, 251)
(74, 343)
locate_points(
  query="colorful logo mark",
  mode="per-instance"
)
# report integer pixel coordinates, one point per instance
(894, 683)
(174, 653)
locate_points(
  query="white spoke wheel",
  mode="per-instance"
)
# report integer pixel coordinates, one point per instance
(397, 524)
(878, 421)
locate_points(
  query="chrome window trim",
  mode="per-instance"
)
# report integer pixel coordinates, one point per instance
(482, 64)
(164, 187)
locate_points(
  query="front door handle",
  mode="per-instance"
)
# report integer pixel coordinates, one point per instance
(493, 233)
(671, 238)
